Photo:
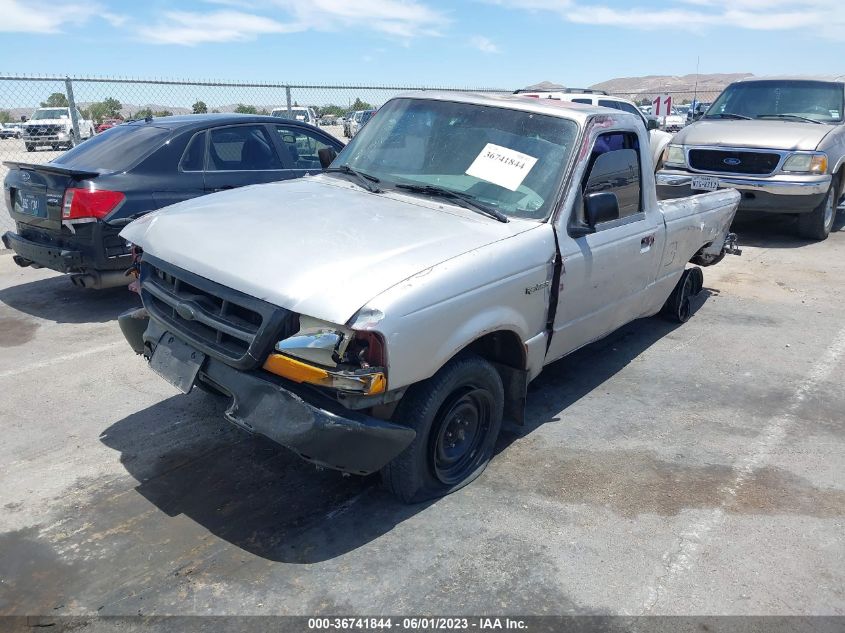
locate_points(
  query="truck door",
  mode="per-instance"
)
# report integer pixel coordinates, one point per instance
(605, 272)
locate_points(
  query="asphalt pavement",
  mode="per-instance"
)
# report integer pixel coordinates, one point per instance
(667, 469)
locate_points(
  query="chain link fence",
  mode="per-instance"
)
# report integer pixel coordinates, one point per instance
(95, 102)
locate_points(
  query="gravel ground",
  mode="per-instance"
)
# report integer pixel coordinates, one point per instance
(694, 469)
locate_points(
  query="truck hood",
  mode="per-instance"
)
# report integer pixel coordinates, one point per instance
(40, 122)
(319, 246)
(768, 134)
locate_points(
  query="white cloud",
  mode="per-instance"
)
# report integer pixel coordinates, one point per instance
(190, 29)
(768, 15)
(243, 20)
(485, 45)
(43, 17)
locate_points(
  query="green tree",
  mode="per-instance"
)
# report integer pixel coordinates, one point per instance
(162, 113)
(55, 100)
(199, 107)
(246, 109)
(361, 105)
(332, 110)
(107, 109)
(142, 114)
(5, 116)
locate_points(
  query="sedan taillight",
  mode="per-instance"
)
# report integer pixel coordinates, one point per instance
(90, 203)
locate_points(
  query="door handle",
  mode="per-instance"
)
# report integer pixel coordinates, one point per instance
(646, 243)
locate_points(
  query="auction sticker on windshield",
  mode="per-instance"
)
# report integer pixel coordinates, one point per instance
(501, 166)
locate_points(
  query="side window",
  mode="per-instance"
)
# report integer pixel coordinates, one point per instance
(615, 168)
(242, 148)
(194, 157)
(587, 101)
(302, 147)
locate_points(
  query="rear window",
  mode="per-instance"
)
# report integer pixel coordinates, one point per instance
(116, 149)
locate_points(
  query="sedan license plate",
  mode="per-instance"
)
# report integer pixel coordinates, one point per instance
(31, 204)
(176, 362)
(704, 183)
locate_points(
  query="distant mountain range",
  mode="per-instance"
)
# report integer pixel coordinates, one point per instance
(707, 87)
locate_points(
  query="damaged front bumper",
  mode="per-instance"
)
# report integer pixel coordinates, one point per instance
(314, 426)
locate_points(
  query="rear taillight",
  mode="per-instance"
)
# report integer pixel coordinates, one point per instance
(90, 203)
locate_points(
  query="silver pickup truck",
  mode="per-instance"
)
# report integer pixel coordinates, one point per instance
(779, 141)
(388, 313)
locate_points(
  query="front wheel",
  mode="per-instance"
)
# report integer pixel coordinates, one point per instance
(71, 141)
(30, 147)
(817, 224)
(457, 415)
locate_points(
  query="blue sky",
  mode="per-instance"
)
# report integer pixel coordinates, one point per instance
(476, 43)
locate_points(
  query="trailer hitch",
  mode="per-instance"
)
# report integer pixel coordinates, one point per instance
(730, 246)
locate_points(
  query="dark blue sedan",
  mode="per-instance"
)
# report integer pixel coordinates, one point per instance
(68, 212)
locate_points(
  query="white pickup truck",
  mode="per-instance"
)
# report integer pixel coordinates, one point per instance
(54, 127)
(388, 313)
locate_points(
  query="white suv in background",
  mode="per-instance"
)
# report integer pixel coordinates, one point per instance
(659, 139)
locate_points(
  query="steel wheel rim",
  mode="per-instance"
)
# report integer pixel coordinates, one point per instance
(829, 210)
(459, 442)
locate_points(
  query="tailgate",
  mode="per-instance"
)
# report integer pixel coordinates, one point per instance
(34, 193)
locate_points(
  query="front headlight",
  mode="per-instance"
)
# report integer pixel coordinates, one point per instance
(333, 356)
(674, 155)
(806, 163)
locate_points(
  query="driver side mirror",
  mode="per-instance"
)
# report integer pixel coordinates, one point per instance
(601, 206)
(327, 155)
(652, 124)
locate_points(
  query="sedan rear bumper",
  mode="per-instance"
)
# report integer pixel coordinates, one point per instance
(52, 257)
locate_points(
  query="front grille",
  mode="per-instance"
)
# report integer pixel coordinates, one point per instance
(733, 162)
(44, 130)
(224, 323)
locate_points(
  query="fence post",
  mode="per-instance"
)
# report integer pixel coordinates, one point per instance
(71, 102)
(287, 97)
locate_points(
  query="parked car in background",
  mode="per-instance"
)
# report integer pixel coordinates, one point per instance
(7, 130)
(390, 313)
(54, 127)
(347, 120)
(296, 113)
(328, 119)
(779, 141)
(359, 121)
(108, 124)
(68, 212)
(673, 122)
(658, 139)
(696, 110)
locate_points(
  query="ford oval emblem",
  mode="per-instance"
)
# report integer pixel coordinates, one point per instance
(186, 311)
(733, 162)
(25, 176)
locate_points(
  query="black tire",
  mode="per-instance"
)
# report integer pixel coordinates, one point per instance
(678, 306)
(457, 414)
(817, 224)
(30, 147)
(72, 141)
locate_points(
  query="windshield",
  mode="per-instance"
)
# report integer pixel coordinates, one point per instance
(116, 149)
(509, 160)
(297, 114)
(817, 100)
(49, 113)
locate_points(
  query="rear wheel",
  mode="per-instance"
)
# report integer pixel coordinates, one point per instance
(30, 147)
(817, 224)
(457, 415)
(678, 306)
